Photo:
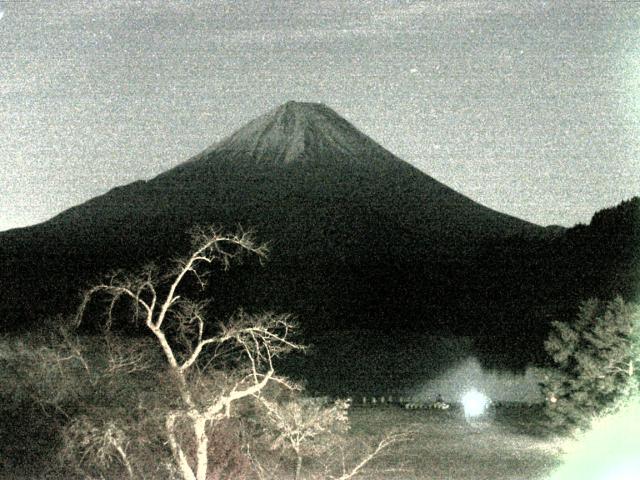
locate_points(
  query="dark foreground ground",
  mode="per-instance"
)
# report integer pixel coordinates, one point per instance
(507, 445)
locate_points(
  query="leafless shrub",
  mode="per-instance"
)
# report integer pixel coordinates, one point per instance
(50, 371)
(358, 463)
(308, 428)
(89, 445)
(317, 429)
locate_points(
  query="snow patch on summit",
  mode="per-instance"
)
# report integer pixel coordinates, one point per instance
(295, 130)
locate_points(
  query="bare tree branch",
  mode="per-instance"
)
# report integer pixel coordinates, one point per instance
(256, 338)
(386, 442)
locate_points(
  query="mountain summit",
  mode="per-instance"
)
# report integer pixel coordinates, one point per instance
(296, 131)
(301, 170)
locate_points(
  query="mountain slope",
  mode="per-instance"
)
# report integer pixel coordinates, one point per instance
(303, 156)
(302, 177)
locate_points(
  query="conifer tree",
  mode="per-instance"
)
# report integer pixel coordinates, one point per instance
(595, 361)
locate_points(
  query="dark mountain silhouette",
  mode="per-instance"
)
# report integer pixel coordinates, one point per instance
(361, 241)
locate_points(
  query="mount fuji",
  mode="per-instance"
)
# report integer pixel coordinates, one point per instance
(344, 217)
(359, 238)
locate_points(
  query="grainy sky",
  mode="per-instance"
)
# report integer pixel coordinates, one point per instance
(529, 107)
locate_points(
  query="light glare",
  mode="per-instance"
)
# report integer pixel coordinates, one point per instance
(474, 403)
(608, 451)
(629, 471)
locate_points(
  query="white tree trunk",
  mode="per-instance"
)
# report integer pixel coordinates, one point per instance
(178, 455)
(202, 442)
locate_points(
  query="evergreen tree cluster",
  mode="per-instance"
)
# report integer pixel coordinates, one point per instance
(595, 359)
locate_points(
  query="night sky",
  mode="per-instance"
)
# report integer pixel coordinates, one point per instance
(531, 108)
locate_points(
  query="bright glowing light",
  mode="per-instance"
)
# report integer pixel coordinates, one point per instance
(475, 403)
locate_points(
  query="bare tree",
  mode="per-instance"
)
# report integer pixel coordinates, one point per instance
(197, 356)
(49, 371)
(104, 444)
(387, 441)
(314, 428)
(307, 427)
